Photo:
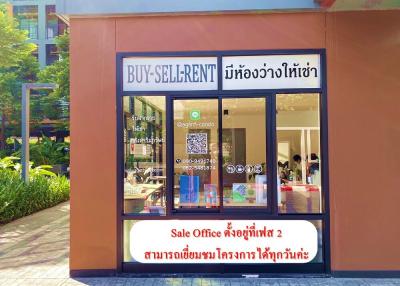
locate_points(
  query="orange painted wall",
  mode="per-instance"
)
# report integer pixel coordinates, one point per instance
(363, 54)
(364, 139)
(93, 145)
(221, 32)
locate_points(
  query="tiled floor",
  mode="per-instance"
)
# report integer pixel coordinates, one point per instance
(34, 251)
(35, 247)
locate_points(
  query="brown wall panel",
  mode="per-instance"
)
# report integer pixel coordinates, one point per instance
(221, 32)
(364, 137)
(93, 149)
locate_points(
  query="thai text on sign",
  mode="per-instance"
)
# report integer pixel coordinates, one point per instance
(236, 241)
(252, 72)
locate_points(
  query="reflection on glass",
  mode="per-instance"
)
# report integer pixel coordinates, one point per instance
(196, 153)
(243, 152)
(144, 153)
(299, 156)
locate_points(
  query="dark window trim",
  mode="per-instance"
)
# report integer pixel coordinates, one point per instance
(223, 269)
(271, 137)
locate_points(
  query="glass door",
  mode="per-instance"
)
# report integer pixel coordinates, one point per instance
(244, 176)
(209, 164)
(196, 153)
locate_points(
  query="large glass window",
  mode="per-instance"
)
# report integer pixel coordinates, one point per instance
(27, 17)
(144, 154)
(196, 153)
(299, 153)
(196, 181)
(244, 152)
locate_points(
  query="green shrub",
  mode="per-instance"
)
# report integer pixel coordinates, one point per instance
(4, 153)
(18, 199)
(47, 152)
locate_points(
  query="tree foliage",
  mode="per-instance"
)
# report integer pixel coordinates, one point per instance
(13, 45)
(17, 65)
(56, 103)
(58, 72)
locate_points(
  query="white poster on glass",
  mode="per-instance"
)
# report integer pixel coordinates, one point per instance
(223, 241)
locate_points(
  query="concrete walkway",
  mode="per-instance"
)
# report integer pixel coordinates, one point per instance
(36, 247)
(34, 251)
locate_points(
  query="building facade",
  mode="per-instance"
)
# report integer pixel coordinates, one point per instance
(234, 139)
(39, 18)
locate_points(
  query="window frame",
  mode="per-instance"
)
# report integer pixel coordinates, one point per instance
(19, 10)
(245, 212)
(324, 153)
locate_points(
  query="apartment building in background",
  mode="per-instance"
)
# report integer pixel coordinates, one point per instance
(39, 18)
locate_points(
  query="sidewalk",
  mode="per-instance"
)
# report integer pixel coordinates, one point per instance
(36, 247)
(34, 251)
